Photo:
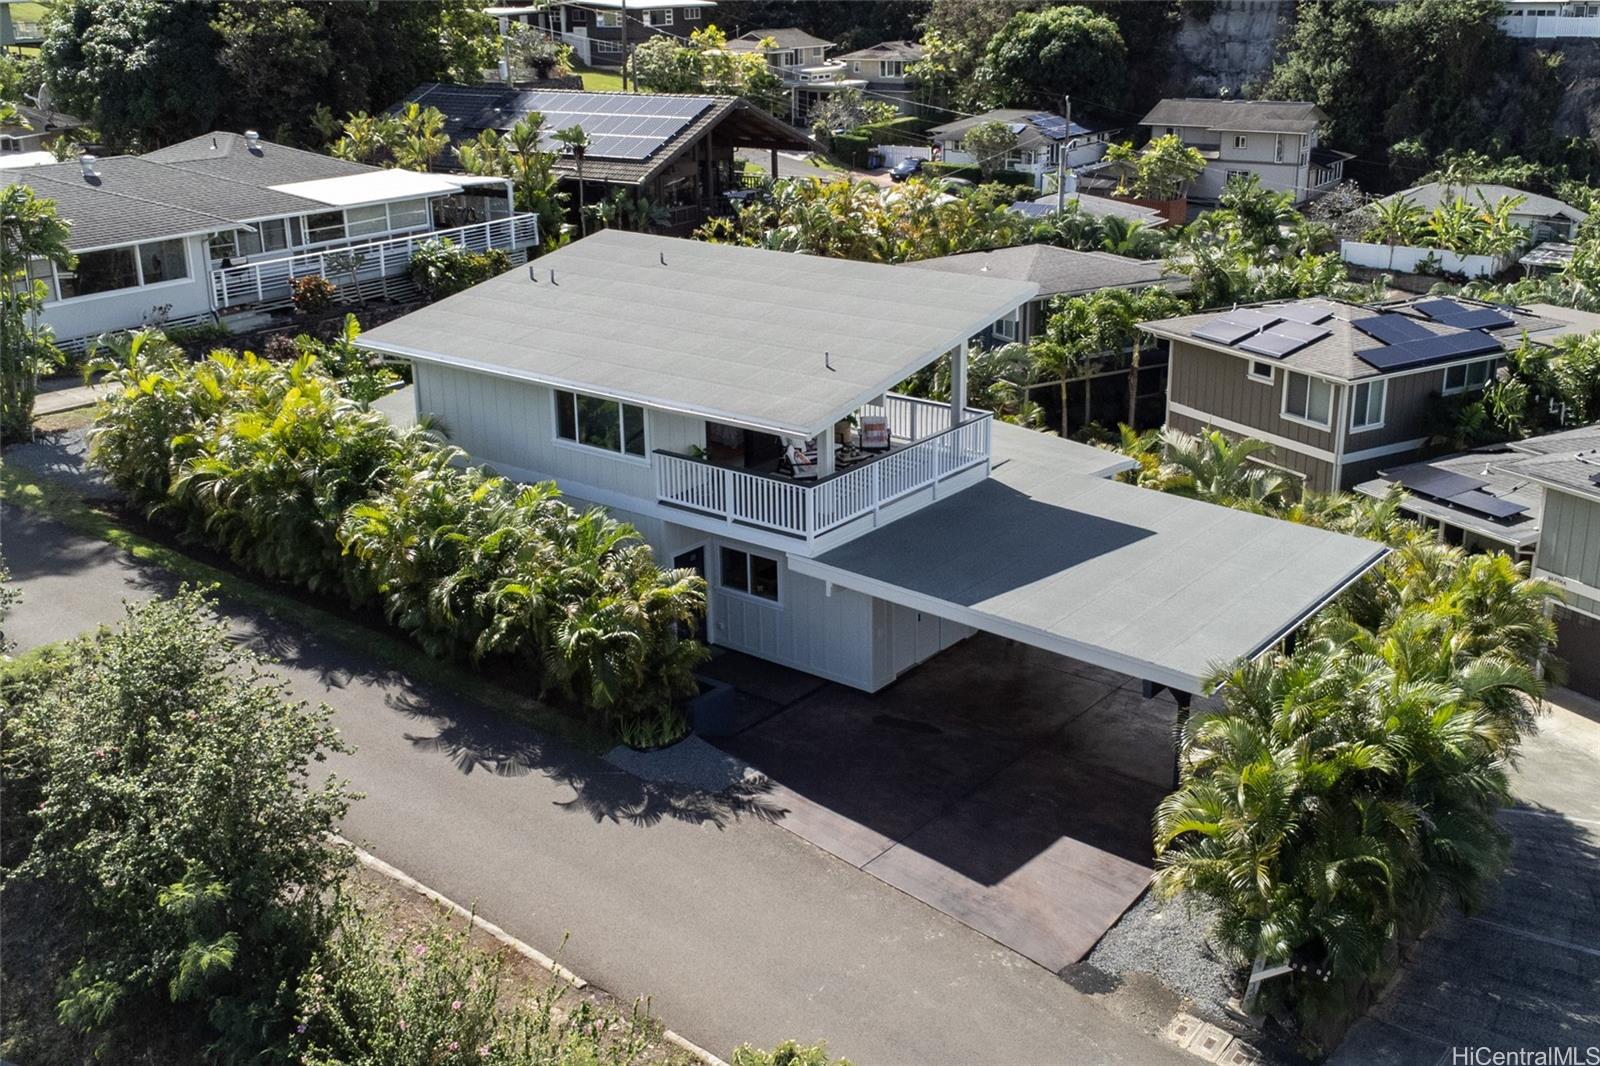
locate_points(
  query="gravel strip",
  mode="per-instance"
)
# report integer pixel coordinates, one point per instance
(1167, 939)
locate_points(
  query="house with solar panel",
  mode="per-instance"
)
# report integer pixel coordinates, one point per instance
(677, 152)
(1276, 141)
(1339, 390)
(738, 407)
(218, 227)
(1041, 137)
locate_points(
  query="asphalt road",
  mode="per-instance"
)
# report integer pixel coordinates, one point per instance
(735, 928)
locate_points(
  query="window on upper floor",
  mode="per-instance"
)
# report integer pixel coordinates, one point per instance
(607, 20)
(749, 573)
(1307, 399)
(1366, 408)
(1465, 377)
(691, 14)
(658, 17)
(595, 422)
(1241, 141)
(1259, 371)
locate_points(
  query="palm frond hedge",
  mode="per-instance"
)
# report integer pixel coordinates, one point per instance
(276, 466)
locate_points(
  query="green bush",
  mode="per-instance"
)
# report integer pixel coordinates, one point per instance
(201, 335)
(275, 466)
(970, 172)
(312, 294)
(788, 1053)
(441, 268)
(179, 825)
(368, 997)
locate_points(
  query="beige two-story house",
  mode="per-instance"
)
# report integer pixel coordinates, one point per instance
(1274, 140)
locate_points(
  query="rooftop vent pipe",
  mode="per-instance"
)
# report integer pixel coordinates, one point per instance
(252, 137)
(87, 162)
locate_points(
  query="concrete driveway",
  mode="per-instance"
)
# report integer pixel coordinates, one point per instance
(1010, 788)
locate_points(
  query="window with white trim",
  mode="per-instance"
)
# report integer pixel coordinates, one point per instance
(1006, 328)
(1368, 400)
(606, 46)
(1259, 371)
(1465, 377)
(1307, 399)
(1277, 149)
(894, 68)
(691, 14)
(1242, 175)
(1241, 141)
(366, 221)
(127, 267)
(607, 20)
(323, 227)
(749, 573)
(658, 17)
(9, 143)
(595, 422)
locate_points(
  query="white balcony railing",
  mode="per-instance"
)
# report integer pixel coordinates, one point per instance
(808, 509)
(1551, 27)
(269, 281)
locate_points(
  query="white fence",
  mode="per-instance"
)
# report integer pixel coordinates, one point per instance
(894, 153)
(1406, 259)
(1547, 27)
(269, 281)
(809, 509)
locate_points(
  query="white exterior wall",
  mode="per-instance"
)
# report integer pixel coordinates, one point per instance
(120, 309)
(1405, 259)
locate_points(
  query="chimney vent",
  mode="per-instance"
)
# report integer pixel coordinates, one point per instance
(87, 162)
(252, 137)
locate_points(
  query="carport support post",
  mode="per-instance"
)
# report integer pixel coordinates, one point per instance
(958, 383)
(1150, 690)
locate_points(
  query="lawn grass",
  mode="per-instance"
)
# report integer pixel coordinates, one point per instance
(56, 501)
(599, 80)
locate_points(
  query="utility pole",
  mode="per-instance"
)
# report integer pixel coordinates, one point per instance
(1061, 156)
(622, 21)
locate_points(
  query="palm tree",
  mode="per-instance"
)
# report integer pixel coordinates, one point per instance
(1210, 466)
(1396, 220)
(577, 142)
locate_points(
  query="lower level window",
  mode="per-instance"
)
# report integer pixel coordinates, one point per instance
(599, 423)
(1307, 398)
(1368, 407)
(748, 572)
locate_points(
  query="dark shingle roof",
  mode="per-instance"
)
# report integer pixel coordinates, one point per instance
(470, 109)
(907, 51)
(1435, 193)
(230, 155)
(787, 37)
(1250, 116)
(1057, 271)
(1028, 135)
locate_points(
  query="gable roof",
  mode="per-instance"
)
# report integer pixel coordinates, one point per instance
(1434, 193)
(470, 109)
(1249, 116)
(907, 51)
(1098, 206)
(787, 37)
(263, 164)
(776, 341)
(1057, 271)
(1020, 119)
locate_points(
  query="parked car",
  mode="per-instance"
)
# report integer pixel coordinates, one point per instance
(905, 168)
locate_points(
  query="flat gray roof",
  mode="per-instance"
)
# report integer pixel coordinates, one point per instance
(1142, 582)
(1058, 271)
(775, 341)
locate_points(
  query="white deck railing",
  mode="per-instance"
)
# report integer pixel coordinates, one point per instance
(1549, 27)
(808, 509)
(267, 281)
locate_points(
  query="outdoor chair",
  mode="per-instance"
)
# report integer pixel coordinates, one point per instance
(798, 463)
(874, 433)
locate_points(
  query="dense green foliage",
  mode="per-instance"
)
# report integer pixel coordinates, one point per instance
(1039, 56)
(29, 230)
(1455, 225)
(148, 72)
(413, 138)
(703, 64)
(175, 813)
(515, 154)
(276, 467)
(442, 268)
(1161, 170)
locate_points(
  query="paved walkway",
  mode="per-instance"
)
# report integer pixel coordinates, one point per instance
(737, 929)
(52, 401)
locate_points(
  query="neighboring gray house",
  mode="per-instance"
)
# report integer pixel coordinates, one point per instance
(1040, 137)
(1057, 272)
(885, 68)
(1567, 466)
(1274, 140)
(843, 529)
(800, 60)
(40, 127)
(1339, 390)
(223, 223)
(594, 28)
(1545, 217)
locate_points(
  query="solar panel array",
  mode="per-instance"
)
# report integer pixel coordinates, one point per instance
(1052, 126)
(1458, 490)
(1429, 348)
(1391, 328)
(619, 126)
(1262, 332)
(1462, 316)
(1308, 312)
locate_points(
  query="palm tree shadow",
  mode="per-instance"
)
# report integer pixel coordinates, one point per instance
(480, 741)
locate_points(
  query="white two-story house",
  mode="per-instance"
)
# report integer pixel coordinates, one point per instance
(1041, 137)
(801, 61)
(223, 223)
(1274, 140)
(738, 407)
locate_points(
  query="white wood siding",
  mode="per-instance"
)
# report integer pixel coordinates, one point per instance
(104, 312)
(498, 420)
(1569, 537)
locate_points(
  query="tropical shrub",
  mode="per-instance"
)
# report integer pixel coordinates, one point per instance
(371, 998)
(29, 230)
(442, 268)
(179, 825)
(360, 374)
(312, 294)
(788, 1053)
(276, 466)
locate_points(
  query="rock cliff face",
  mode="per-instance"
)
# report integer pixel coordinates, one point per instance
(1228, 44)
(1578, 114)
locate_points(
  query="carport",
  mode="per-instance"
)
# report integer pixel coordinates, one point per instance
(1147, 584)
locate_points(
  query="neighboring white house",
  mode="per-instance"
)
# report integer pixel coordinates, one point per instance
(679, 384)
(225, 222)
(1544, 217)
(1274, 140)
(1040, 136)
(800, 60)
(1550, 19)
(886, 68)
